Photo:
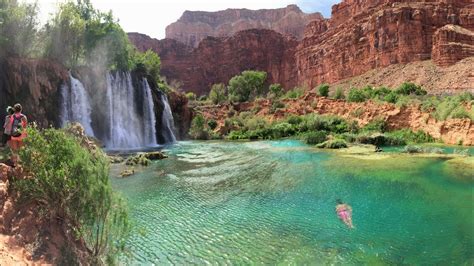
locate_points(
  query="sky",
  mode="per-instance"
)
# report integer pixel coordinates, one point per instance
(152, 16)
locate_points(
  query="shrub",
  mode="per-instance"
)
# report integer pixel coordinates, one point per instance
(316, 137)
(356, 95)
(247, 86)
(328, 123)
(275, 91)
(295, 93)
(217, 94)
(294, 119)
(191, 96)
(461, 112)
(323, 90)
(409, 136)
(333, 144)
(73, 184)
(198, 128)
(392, 97)
(212, 124)
(281, 130)
(276, 105)
(377, 125)
(339, 94)
(408, 88)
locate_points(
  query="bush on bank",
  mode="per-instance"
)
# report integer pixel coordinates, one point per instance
(71, 183)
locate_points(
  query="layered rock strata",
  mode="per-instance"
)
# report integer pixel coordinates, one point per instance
(194, 26)
(369, 34)
(451, 44)
(361, 36)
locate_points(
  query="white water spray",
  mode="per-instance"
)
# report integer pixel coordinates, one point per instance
(76, 106)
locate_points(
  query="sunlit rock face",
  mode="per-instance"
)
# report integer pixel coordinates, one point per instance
(361, 35)
(367, 34)
(195, 26)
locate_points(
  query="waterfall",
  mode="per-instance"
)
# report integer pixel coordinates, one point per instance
(124, 116)
(167, 121)
(127, 129)
(76, 106)
(149, 114)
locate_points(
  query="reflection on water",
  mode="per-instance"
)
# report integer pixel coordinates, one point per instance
(273, 202)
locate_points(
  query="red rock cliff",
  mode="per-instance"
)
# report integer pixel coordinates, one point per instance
(216, 60)
(194, 26)
(361, 36)
(368, 34)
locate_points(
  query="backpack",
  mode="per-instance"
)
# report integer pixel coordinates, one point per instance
(17, 126)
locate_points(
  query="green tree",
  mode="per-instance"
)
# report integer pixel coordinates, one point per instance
(217, 94)
(323, 90)
(149, 62)
(72, 183)
(79, 34)
(247, 86)
(18, 28)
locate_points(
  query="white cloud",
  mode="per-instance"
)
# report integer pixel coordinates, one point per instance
(152, 17)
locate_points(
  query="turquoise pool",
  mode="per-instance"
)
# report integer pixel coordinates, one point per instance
(273, 203)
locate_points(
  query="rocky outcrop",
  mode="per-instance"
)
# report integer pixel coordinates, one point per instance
(217, 60)
(195, 26)
(451, 44)
(35, 84)
(368, 34)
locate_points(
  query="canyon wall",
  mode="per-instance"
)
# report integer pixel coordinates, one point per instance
(195, 26)
(361, 36)
(216, 60)
(35, 84)
(367, 34)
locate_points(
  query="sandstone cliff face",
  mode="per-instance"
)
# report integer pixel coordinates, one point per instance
(194, 26)
(451, 44)
(216, 60)
(362, 36)
(369, 34)
(35, 84)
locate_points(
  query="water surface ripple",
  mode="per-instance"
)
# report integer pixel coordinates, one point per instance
(273, 203)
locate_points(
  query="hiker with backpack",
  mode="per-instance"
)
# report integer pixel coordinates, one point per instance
(18, 131)
(7, 126)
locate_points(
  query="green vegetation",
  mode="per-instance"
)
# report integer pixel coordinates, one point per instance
(295, 93)
(18, 28)
(191, 96)
(72, 184)
(247, 86)
(275, 91)
(316, 137)
(455, 106)
(323, 90)
(76, 35)
(218, 94)
(339, 94)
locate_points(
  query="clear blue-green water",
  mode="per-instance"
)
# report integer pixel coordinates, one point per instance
(273, 203)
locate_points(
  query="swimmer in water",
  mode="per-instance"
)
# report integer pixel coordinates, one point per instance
(344, 212)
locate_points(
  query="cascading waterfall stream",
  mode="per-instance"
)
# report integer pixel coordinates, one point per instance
(167, 121)
(127, 129)
(128, 118)
(76, 106)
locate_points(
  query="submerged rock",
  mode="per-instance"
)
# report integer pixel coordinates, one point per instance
(144, 159)
(127, 172)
